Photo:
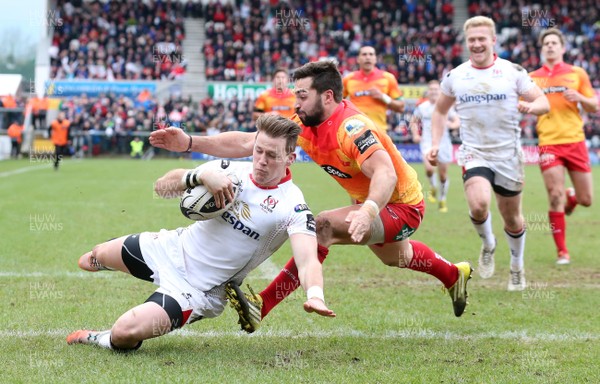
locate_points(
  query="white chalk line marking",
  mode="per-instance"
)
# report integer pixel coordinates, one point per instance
(24, 170)
(268, 270)
(421, 334)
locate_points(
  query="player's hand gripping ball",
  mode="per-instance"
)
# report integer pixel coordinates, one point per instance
(198, 203)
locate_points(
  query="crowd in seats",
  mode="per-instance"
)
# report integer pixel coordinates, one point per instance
(107, 120)
(247, 39)
(111, 120)
(519, 25)
(414, 41)
(119, 39)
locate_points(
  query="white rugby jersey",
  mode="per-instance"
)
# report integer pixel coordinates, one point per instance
(254, 227)
(486, 102)
(424, 112)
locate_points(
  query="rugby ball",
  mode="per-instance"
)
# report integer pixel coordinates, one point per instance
(198, 203)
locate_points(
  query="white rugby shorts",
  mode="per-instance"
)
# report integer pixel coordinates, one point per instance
(163, 254)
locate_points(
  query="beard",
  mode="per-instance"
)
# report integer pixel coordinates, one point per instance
(315, 118)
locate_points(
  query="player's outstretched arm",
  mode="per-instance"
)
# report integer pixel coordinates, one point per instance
(226, 144)
(310, 272)
(170, 185)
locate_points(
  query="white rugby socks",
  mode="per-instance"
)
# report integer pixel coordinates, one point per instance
(484, 229)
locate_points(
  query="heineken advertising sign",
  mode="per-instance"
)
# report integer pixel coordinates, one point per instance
(227, 90)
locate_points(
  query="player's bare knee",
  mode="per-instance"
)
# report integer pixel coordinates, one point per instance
(399, 259)
(127, 330)
(556, 200)
(584, 200)
(123, 333)
(393, 262)
(479, 211)
(324, 230)
(404, 258)
(514, 223)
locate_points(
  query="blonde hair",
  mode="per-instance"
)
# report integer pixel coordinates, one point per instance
(480, 21)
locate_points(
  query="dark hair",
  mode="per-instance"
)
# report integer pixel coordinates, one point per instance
(325, 76)
(279, 69)
(552, 31)
(366, 46)
(277, 126)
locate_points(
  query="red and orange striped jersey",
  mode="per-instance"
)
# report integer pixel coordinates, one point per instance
(343, 142)
(357, 86)
(563, 124)
(281, 103)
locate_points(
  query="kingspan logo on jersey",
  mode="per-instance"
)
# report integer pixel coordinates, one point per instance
(481, 94)
(239, 226)
(481, 98)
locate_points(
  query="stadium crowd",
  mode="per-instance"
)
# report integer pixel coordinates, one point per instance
(518, 28)
(520, 25)
(111, 120)
(414, 42)
(247, 39)
(119, 40)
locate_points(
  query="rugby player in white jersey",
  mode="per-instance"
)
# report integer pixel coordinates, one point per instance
(422, 117)
(193, 265)
(486, 90)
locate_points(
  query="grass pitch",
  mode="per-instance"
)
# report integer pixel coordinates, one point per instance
(393, 326)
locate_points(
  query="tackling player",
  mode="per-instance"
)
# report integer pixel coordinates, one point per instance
(486, 90)
(193, 265)
(422, 115)
(561, 139)
(388, 203)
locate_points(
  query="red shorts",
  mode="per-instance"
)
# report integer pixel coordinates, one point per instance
(573, 156)
(401, 220)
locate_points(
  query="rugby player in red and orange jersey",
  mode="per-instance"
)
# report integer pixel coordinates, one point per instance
(372, 90)
(561, 139)
(388, 203)
(279, 99)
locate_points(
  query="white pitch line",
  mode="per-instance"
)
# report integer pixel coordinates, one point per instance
(25, 169)
(268, 270)
(420, 334)
(80, 274)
